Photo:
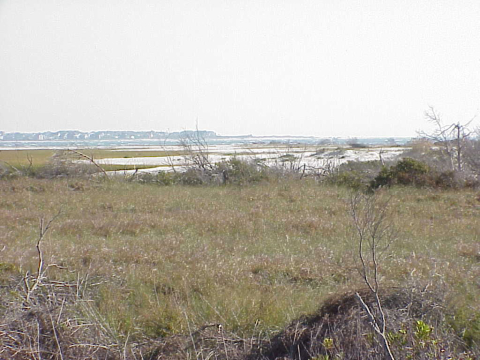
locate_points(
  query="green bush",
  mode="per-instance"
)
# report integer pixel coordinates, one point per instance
(412, 172)
(355, 174)
(406, 172)
(351, 179)
(160, 178)
(384, 178)
(236, 171)
(193, 177)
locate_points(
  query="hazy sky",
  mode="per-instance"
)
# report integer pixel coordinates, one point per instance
(299, 67)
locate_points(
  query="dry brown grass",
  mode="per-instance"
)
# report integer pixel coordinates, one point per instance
(168, 260)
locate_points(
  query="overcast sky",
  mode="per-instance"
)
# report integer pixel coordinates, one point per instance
(271, 67)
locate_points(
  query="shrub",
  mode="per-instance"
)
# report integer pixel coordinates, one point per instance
(355, 174)
(406, 172)
(350, 179)
(5, 170)
(10, 171)
(236, 171)
(410, 172)
(65, 164)
(194, 176)
(160, 178)
(384, 178)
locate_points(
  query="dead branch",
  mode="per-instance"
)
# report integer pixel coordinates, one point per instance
(31, 286)
(90, 158)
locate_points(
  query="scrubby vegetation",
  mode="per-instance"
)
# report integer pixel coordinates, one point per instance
(416, 173)
(263, 266)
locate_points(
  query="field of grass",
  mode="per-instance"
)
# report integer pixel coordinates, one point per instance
(38, 158)
(168, 259)
(23, 157)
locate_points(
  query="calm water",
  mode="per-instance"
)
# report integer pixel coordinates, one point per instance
(71, 144)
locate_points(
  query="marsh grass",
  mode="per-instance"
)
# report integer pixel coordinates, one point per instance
(166, 260)
(39, 162)
(21, 157)
(41, 157)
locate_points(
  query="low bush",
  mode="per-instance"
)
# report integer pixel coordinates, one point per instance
(351, 179)
(5, 171)
(10, 171)
(412, 172)
(236, 171)
(354, 174)
(406, 172)
(160, 178)
(371, 175)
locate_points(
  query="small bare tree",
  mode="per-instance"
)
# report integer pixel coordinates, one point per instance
(196, 151)
(453, 138)
(375, 232)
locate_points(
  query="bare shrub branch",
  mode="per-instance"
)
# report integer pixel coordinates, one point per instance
(32, 285)
(375, 232)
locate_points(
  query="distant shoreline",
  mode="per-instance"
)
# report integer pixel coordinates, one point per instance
(219, 140)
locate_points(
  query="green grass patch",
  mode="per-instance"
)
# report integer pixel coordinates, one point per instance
(23, 157)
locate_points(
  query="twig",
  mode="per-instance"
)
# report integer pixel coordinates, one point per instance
(56, 337)
(30, 288)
